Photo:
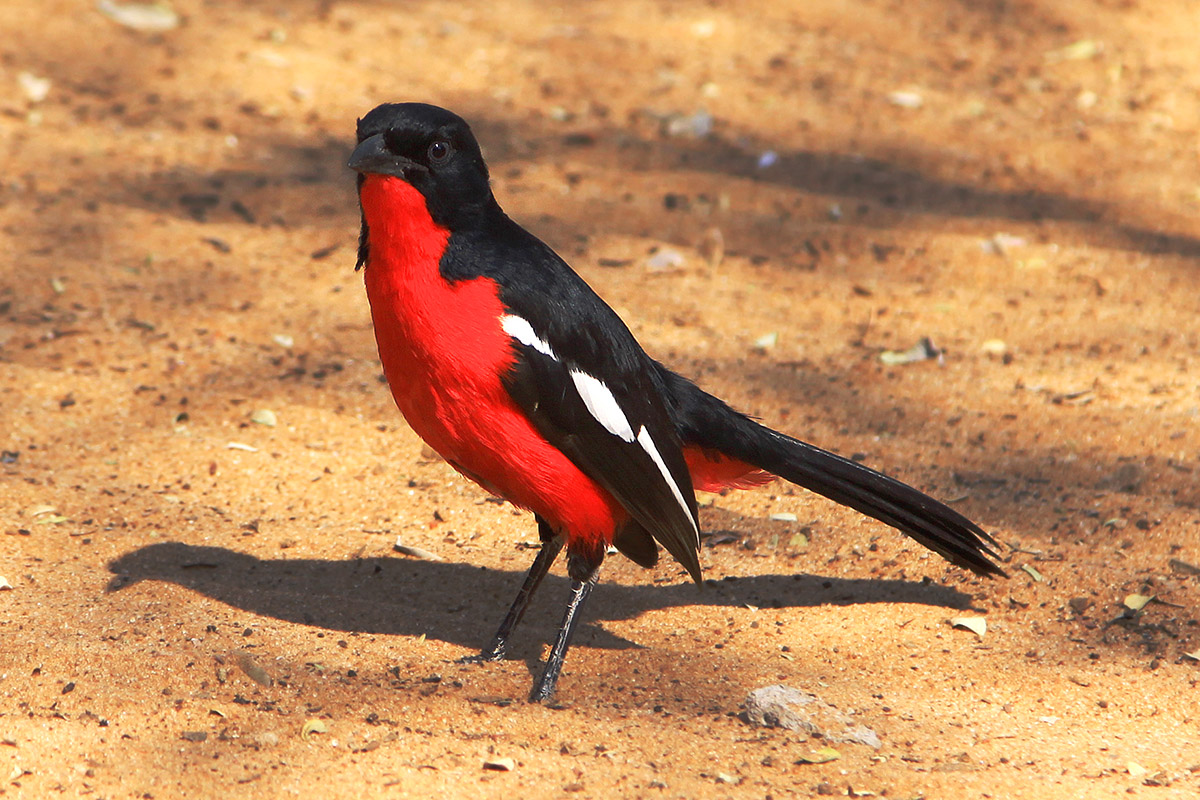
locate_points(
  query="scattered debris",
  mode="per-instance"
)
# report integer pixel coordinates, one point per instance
(240, 446)
(415, 552)
(264, 416)
(822, 756)
(500, 764)
(194, 736)
(1126, 478)
(781, 706)
(143, 17)
(994, 347)
(36, 89)
(666, 259)
(1183, 567)
(976, 625)
(254, 670)
(766, 341)
(784, 516)
(905, 99)
(283, 340)
(1033, 573)
(1077, 51)
(712, 247)
(1136, 602)
(695, 126)
(1000, 243)
(767, 158)
(4, 584)
(311, 727)
(923, 350)
(1080, 604)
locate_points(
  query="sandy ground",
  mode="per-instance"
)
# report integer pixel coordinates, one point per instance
(191, 588)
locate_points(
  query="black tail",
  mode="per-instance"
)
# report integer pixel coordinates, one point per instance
(706, 421)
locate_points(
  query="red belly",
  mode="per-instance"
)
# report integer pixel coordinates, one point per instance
(444, 352)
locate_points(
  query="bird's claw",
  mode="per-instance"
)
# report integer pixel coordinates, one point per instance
(487, 656)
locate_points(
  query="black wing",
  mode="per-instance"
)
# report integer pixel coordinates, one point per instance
(585, 383)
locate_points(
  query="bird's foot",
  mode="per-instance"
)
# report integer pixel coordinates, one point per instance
(487, 656)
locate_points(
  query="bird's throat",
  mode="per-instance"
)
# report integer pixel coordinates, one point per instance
(402, 234)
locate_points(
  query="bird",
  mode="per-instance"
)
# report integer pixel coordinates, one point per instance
(508, 364)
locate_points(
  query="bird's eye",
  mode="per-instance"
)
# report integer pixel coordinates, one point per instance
(439, 151)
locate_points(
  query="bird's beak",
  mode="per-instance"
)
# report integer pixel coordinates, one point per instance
(372, 157)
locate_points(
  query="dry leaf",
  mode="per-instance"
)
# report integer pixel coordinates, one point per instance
(1136, 602)
(1079, 51)
(766, 341)
(313, 726)
(921, 351)
(1033, 573)
(977, 625)
(264, 416)
(822, 756)
(144, 17)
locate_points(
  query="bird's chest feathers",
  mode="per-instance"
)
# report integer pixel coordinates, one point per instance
(441, 343)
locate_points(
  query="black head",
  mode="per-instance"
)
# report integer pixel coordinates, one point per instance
(433, 150)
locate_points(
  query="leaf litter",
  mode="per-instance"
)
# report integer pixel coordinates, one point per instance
(976, 625)
(311, 727)
(923, 350)
(821, 756)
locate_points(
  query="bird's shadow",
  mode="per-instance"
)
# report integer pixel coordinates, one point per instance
(460, 603)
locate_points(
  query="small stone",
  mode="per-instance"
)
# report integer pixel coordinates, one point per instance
(781, 706)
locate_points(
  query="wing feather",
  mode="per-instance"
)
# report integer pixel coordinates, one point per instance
(645, 472)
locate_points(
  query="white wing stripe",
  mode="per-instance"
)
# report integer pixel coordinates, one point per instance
(602, 405)
(647, 444)
(520, 329)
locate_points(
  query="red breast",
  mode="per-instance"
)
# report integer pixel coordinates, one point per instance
(444, 352)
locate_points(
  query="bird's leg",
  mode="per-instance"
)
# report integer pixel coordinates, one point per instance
(543, 689)
(551, 547)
